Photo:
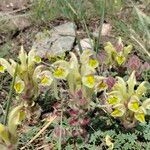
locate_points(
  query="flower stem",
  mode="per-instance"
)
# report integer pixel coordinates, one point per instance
(10, 95)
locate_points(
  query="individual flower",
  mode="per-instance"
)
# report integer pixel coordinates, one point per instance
(60, 73)
(89, 81)
(118, 111)
(93, 63)
(140, 115)
(46, 78)
(134, 104)
(19, 86)
(5, 65)
(101, 86)
(112, 100)
(61, 69)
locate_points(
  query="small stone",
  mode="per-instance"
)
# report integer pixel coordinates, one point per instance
(85, 44)
(106, 29)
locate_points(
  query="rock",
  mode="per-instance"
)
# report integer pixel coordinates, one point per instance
(56, 41)
(85, 44)
(106, 29)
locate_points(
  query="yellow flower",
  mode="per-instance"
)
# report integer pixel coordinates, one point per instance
(93, 63)
(140, 115)
(133, 104)
(120, 59)
(2, 69)
(101, 86)
(112, 100)
(119, 110)
(60, 73)
(88, 81)
(45, 78)
(19, 86)
(5, 65)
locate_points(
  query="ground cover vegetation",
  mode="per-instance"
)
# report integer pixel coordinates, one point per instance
(95, 95)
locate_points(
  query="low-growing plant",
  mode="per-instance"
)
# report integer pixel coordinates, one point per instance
(128, 101)
(78, 90)
(26, 85)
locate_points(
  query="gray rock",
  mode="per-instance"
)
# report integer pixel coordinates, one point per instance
(56, 41)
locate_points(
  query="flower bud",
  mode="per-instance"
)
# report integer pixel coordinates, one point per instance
(73, 122)
(73, 113)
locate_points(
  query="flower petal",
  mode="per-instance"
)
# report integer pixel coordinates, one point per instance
(141, 89)
(146, 104)
(15, 117)
(101, 86)
(140, 115)
(131, 83)
(127, 50)
(4, 134)
(5, 65)
(23, 58)
(120, 86)
(119, 110)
